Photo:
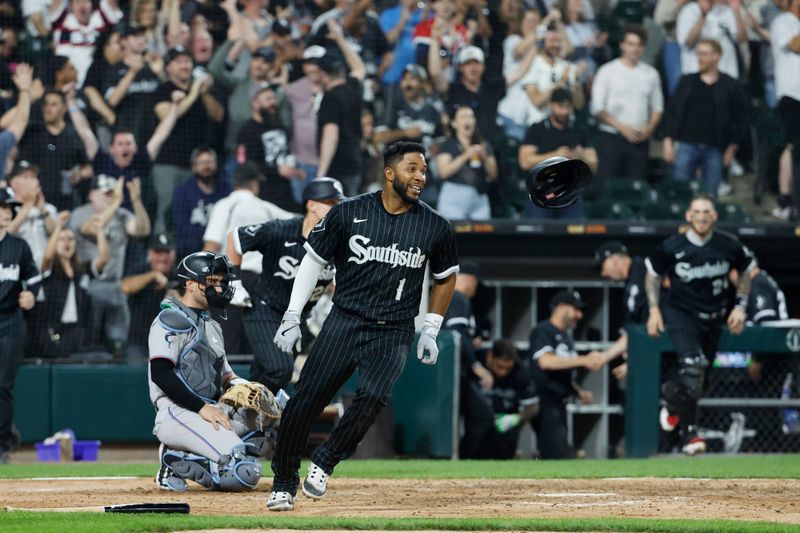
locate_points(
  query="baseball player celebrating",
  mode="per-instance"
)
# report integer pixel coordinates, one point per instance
(18, 278)
(698, 264)
(280, 243)
(215, 445)
(379, 243)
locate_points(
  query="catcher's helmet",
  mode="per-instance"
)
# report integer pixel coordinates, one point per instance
(556, 182)
(8, 198)
(199, 265)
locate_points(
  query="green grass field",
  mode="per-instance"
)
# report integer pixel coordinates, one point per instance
(718, 467)
(757, 466)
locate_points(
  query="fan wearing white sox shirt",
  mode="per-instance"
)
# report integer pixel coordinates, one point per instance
(698, 264)
(379, 243)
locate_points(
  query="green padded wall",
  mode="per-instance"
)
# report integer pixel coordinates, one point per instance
(32, 401)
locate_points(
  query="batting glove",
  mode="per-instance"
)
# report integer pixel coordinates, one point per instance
(241, 298)
(288, 335)
(427, 339)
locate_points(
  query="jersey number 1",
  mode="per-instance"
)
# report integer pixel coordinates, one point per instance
(399, 293)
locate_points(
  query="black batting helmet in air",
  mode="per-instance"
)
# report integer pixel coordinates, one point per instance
(556, 182)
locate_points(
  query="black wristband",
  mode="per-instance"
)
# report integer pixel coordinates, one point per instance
(741, 301)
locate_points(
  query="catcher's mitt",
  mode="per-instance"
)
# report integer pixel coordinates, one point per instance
(255, 396)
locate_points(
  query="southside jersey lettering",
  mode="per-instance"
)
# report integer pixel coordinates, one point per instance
(16, 267)
(698, 271)
(380, 258)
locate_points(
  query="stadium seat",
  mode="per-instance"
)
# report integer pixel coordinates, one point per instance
(679, 190)
(633, 192)
(666, 210)
(733, 213)
(608, 210)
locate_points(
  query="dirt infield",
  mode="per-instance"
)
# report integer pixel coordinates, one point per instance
(744, 499)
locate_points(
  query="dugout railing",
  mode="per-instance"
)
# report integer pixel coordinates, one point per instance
(642, 434)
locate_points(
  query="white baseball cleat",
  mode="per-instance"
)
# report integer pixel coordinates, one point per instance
(280, 501)
(316, 483)
(694, 446)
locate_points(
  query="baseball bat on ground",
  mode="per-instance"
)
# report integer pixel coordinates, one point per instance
(170, 508)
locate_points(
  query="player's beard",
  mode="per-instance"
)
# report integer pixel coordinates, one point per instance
(400, 189)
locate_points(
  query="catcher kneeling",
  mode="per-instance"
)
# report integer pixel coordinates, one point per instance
(206, 436)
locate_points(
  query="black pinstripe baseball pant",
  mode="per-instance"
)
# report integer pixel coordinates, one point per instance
(345, 343)
(693, 337)
(271, 366)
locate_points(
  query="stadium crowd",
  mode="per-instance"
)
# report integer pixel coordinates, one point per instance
(134, 133)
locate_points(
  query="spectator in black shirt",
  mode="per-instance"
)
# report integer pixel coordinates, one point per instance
(556, 136)
(107, 56)
(414, 117)
(265, 141)
(466, 166)
(62, 320)
(130, 86)
(145, 292)
(55, 147)
(198, 114)
(708, 116)
(493, 415)
(553, 365)
(339, 117)
(475, 89)
(123, 158)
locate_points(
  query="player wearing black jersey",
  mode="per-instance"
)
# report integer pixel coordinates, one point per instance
(615, 263)
(18, 278)
(281, 243)
(380, 244)
(698, 264)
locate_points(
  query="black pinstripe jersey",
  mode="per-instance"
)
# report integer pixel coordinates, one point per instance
(698, 271)
(281, 245)
(766, 300)
(380, 258)
(18, 271)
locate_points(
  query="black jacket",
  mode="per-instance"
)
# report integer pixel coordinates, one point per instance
(731, 108)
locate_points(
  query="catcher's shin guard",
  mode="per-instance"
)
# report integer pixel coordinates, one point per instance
(166, 478)
(238, 471)
(189, 466)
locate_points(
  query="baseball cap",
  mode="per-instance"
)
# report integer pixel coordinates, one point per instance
(21, 166)
(566, 297)
(470, 53)
(176, 52)
(282, 27)
(8, 198)
(323, 189)
(561, 96)
(313, 53)
(247, 172)
(161, 241)
(330, 63)
(104, 182)
(607, 249)
(417, 71)
(266, 53)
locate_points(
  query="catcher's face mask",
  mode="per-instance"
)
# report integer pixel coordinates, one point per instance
(220, 276)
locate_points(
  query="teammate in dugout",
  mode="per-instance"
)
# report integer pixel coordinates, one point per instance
(281, 245)
(698, 264)
(19, 279)
(202, 439)
(380, 244)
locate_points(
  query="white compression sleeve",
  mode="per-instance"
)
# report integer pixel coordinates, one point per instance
(307, 275)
